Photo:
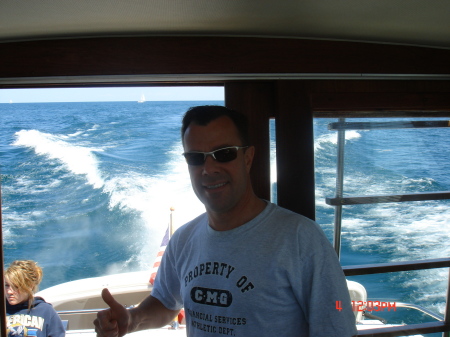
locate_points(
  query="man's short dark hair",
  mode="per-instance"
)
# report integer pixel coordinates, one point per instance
(204, 114)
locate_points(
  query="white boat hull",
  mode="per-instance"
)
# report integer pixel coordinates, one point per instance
(128, 289)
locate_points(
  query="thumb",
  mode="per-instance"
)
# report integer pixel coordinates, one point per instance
(112, 303)
(117, 313)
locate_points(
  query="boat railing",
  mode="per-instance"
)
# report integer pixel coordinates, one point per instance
(443, 323)
(173, 326)
(79, 311)
(397, 304)
(368, 314)
(421, 309)
(86, 311)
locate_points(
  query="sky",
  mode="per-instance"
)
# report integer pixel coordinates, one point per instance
(112, 94)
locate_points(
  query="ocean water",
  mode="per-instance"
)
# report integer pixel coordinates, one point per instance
(384, 162)
(87, 190)
(87, 187)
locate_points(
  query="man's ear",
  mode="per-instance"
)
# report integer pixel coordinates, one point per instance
(248, 156)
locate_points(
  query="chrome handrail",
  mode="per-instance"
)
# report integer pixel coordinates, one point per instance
(420, 308)
(78, 312)
(84, 311)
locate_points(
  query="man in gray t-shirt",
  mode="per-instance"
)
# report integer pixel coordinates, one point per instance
(246, 267)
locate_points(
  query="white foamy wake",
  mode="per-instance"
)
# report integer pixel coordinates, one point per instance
(130, 191)
(78, 159)
(153, 197)
(332, 138)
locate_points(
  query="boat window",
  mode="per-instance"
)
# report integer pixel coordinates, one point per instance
(89, 176)
(385, 183)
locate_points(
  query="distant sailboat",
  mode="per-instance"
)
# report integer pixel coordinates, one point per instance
(10, 101)
(142, 100)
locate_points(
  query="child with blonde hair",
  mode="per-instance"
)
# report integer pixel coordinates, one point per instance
(27, 315)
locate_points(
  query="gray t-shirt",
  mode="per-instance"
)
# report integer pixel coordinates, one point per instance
(276, 275)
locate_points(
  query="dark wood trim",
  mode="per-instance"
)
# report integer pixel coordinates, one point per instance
(256, 100)
(406, 330)
(288, 103)
(378, 199)
(383, 98)
(382, 114)
(295, 148)
(399, 86)
(391, 125)
(365, 101)
(214, 55)
(395, 267)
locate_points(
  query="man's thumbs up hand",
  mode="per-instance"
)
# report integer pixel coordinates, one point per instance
(112, 322)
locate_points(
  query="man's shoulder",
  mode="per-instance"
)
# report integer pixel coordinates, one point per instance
(189, 227)
(279, 211)
(294, 222)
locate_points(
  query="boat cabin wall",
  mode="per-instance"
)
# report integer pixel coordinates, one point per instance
(289, 80)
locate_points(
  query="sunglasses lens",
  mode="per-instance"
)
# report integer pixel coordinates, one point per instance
(222, 155)
(194, 158)
(226, 155)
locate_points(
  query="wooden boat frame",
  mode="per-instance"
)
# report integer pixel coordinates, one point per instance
(289, 80)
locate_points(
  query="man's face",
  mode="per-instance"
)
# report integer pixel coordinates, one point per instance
(219, 186)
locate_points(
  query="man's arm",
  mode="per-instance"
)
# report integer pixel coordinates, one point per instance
(118, 321)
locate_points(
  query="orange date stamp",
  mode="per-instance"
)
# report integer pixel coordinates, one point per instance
(369, 306)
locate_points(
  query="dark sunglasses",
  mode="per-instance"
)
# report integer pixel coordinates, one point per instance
(223, 155)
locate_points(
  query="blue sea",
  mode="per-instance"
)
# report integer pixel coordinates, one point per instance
(87, 190)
